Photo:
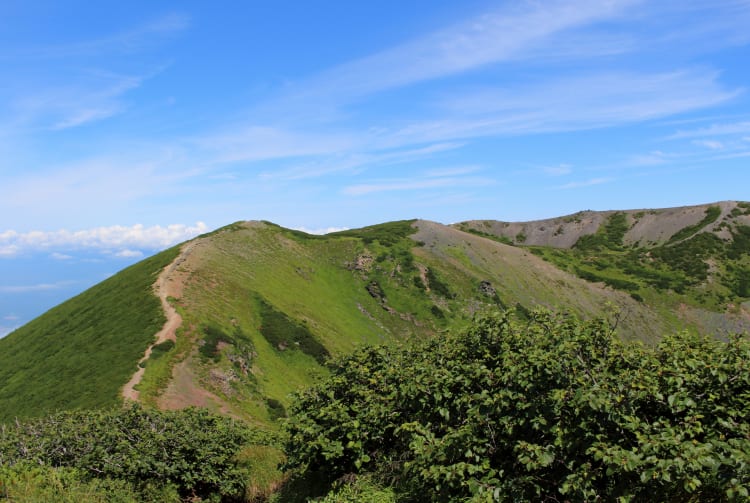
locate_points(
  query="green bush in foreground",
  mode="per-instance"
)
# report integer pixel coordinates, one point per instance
(551, 409)
(30, 483)
(360, 490)
(150, 453)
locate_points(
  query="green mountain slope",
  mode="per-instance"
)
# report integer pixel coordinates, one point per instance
(264, 307)
(80, 353)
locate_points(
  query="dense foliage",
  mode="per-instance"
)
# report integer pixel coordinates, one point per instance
(81, 353)
(29, 483)
(386, 234)
(151, 453)
(609, 235)
(552, 409)
(494, 237)
(712, 213)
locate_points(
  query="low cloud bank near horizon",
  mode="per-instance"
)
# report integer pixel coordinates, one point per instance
(321, 231)
(122, 241)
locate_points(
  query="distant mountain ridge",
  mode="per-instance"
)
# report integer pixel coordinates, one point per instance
(263, 307)
(648, 227)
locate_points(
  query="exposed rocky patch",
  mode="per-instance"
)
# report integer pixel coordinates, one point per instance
(486, 288)
(222, 380)
(363, 263)
(373, 288)
(365, 311)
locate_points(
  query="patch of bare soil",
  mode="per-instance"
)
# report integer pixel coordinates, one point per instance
(736, 320)
(184, 392)
(657, 226)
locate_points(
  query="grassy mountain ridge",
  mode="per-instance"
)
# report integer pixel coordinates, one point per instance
(288, 293)
(263, 307)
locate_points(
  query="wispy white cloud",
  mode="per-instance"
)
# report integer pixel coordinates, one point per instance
(87, 114)
(9, 250)
(319, 166)
(709, 151)
(86, 98)
(77, 87)
(731, 155)
(442, 172)
(650, 159)
(129, 254)
(702, 26)
(40, 287)
(510, 35)
(400, 184)
(583, 102)
(109, 184)
(556, 105)
(492, 37)
(124, 241)
(560, 170)
(127, 41)
(736, 128)
(60, 256)
(710, 144)
(255, 143)
(368, 153)
(441, 178)
(585, 183)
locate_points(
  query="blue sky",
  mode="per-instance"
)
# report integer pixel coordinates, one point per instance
(126, 127)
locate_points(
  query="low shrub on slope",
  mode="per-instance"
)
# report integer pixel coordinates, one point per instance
(552, 409)
(131, 454)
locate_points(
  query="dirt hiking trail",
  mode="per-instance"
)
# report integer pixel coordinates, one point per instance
(164, 287)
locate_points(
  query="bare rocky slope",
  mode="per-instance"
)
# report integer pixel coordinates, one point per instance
(647, 227)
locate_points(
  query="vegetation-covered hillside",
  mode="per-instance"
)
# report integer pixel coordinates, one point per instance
(263, 307)
(80, 353)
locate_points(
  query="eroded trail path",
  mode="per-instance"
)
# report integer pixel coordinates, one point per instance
(166, 286)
